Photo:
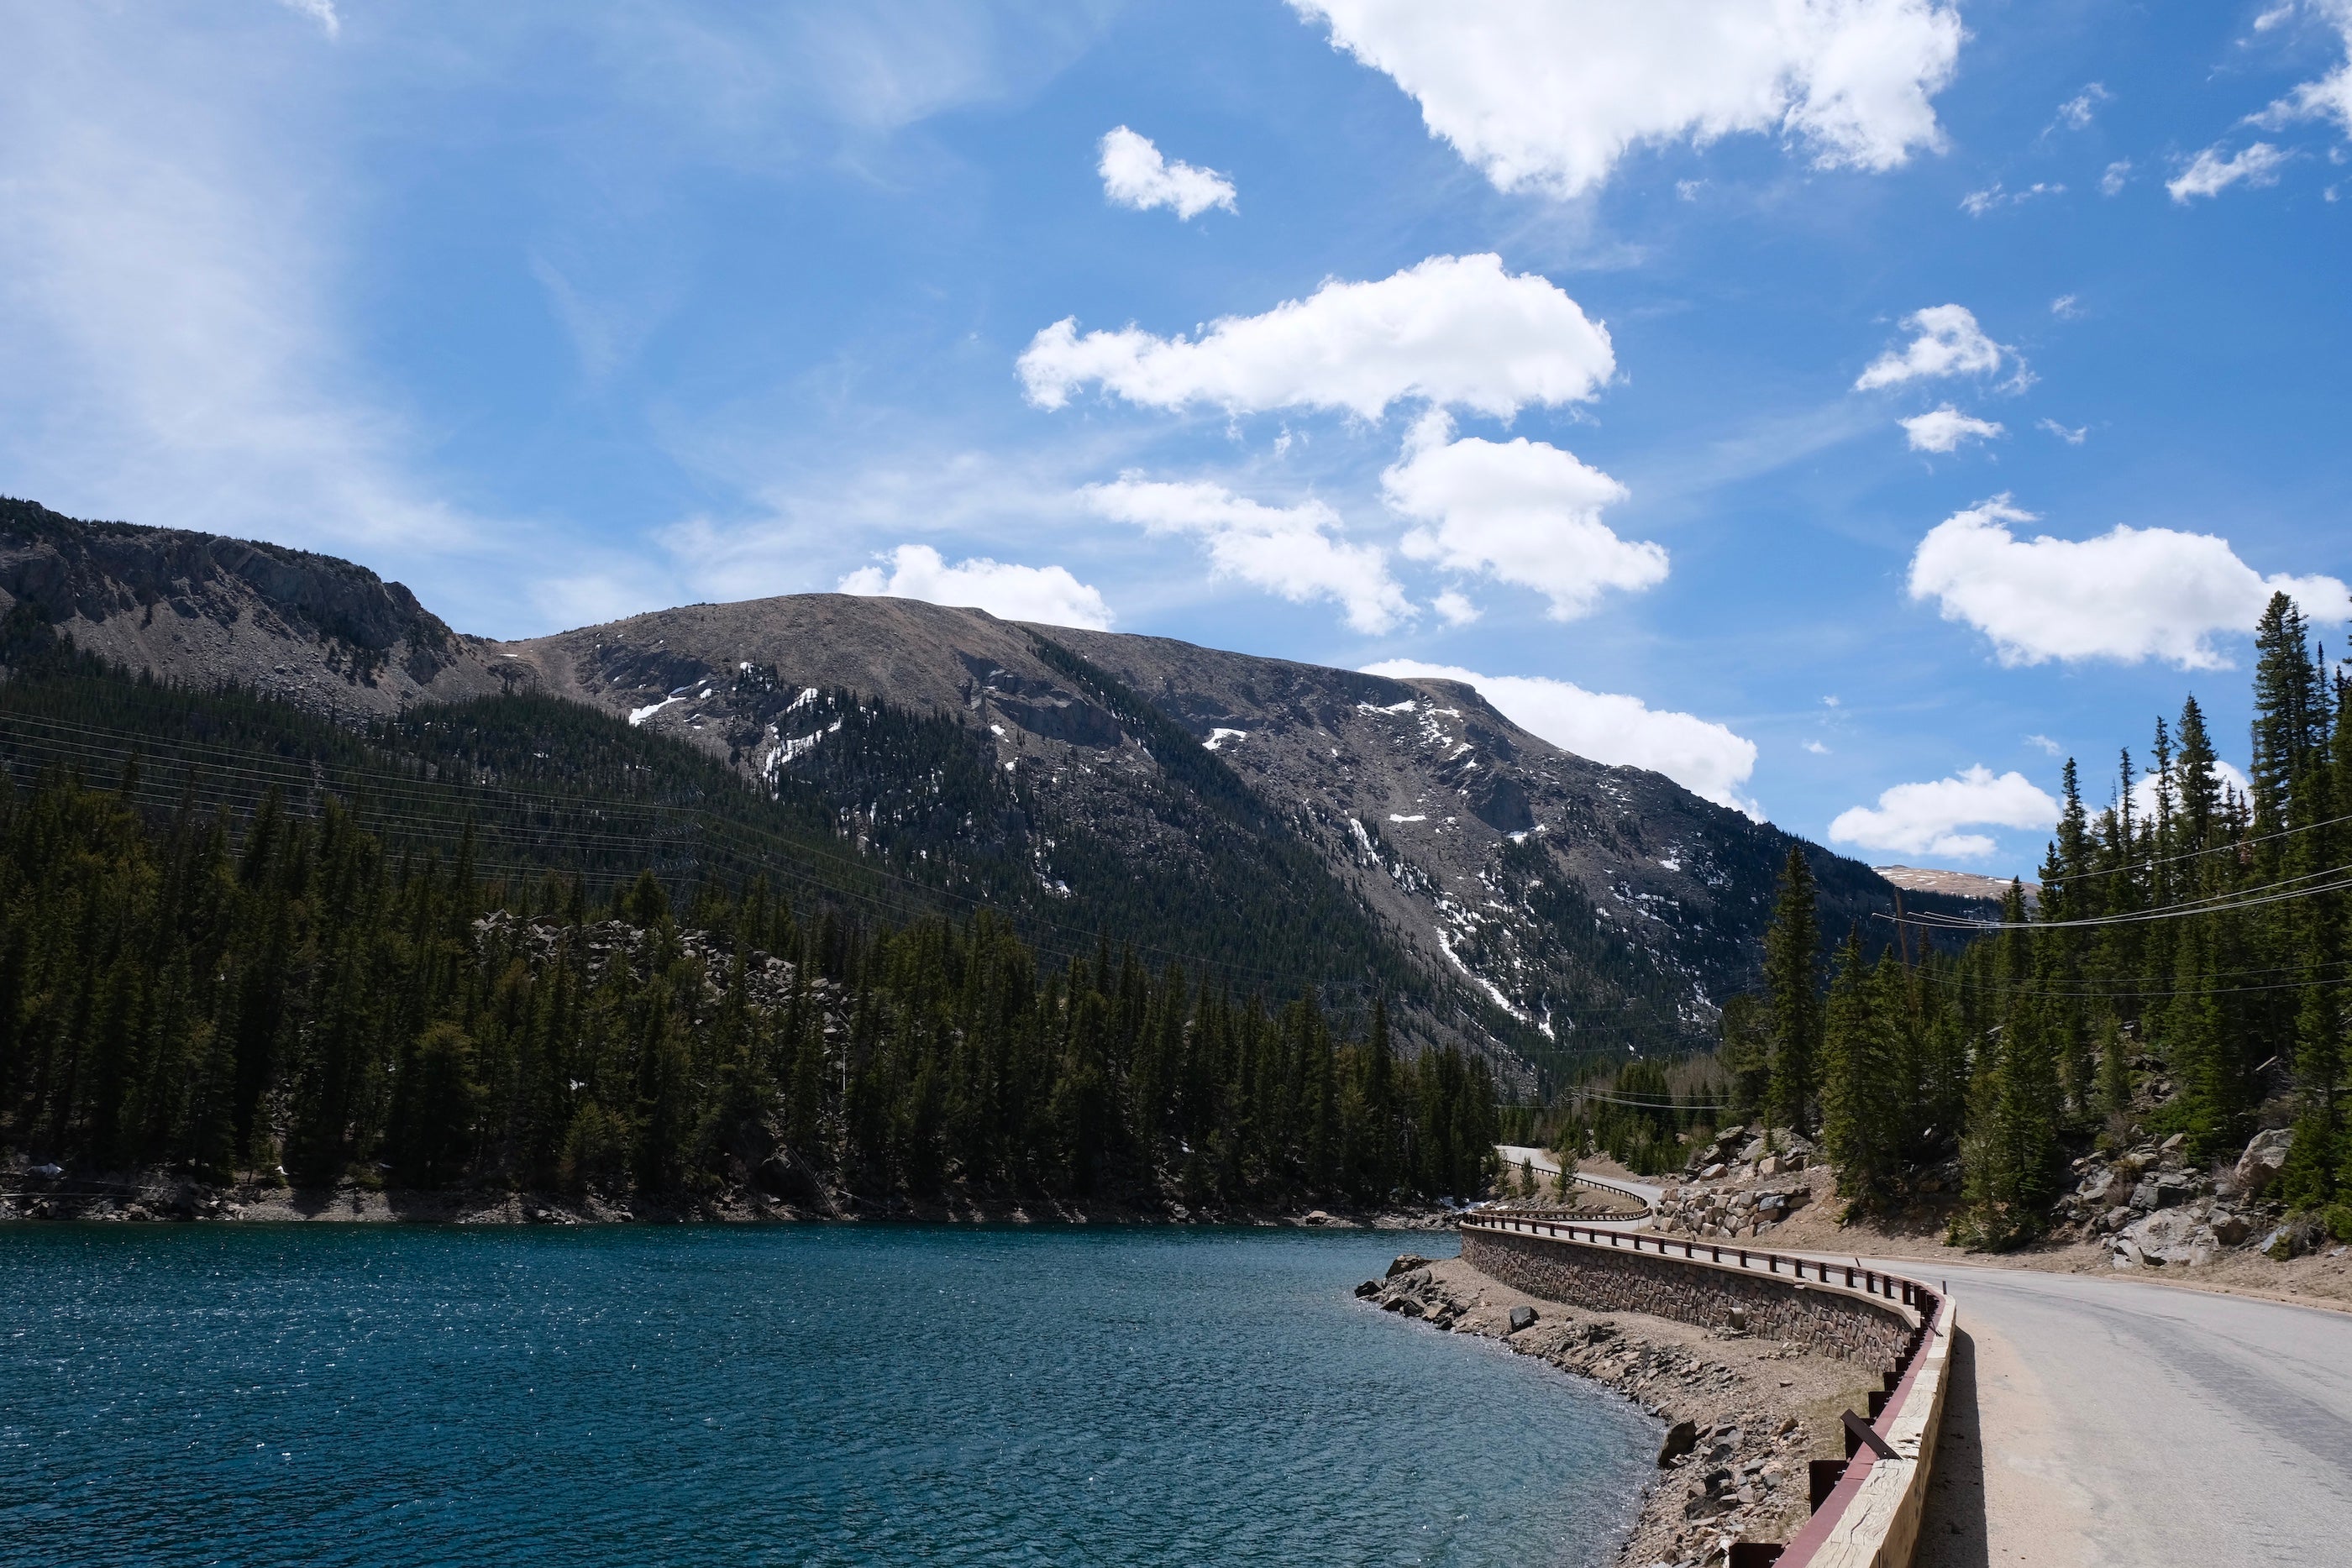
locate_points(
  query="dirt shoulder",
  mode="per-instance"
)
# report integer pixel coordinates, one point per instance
(1758, 1409)
(1820, 1224)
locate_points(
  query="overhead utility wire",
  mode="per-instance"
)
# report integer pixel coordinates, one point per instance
(2218, 905)
(2231, 848)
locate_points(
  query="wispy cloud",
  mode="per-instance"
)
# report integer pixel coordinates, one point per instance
(1993, 197)
(319, 11)
(2078, 112)
(2210, 173)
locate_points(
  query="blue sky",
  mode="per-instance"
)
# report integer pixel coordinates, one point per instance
(1567, 345)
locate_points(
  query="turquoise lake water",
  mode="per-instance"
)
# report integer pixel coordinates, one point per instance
(232, 1394)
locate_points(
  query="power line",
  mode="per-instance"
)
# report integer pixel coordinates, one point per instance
(2218, 903)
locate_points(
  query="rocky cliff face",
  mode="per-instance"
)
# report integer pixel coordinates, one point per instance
(210, 610)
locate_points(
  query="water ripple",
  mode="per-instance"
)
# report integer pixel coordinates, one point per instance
(311, 1394)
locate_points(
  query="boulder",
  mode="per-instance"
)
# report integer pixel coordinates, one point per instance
(1754, 1150)
(1368, 1288)
(2171, 1237)
(2229, 1229)
(1712, 1172)
(2173, 1145)
(2104, 1188)
(1317, 1218)
(2258, 1166)
(1406, 1263)
(1737, 1319)
(1681, 1438)
(2143, 1196)
(1522, 1318)
(1770, 1166)
(1406, 1305)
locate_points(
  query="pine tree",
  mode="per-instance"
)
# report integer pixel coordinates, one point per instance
(1859, 1117)
(1791, 993)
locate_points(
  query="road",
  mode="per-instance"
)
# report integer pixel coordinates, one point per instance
(2096, 1421)
(1543, 1163)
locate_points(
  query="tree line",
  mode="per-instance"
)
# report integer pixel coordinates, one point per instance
(188, 992)
(2189, 933)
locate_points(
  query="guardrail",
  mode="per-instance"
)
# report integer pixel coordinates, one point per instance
(1867, 1507)
(1642, 1205)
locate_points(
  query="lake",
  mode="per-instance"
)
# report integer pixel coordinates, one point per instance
(333, 1394)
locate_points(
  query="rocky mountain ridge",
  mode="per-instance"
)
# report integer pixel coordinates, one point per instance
(1594, 907)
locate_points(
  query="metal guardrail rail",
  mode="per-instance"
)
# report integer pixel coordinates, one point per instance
(1867, 1513)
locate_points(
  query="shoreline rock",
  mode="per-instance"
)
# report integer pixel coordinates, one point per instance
(350, 1203)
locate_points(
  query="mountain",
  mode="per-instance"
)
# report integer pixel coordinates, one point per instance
(1278, 822)
(1967, 884)
(207, 611)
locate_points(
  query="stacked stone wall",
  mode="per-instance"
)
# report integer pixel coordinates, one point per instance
(1607, 1279)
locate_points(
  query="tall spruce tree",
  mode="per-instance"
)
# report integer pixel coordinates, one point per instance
(1861, 1128)
(1792, 996)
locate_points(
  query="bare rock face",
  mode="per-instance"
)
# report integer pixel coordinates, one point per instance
(209, 611)
(1581, 898)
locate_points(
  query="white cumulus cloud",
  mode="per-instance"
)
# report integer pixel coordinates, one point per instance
(2209, 173)
(1943, 429)
(1296, 552)
(1546, 95)
(2129, 594)
(1703, 757)
(1525, 512)
(1945, 342)
(1046, 594)
(1927, 819)
(1134, 174)
(1453, 330)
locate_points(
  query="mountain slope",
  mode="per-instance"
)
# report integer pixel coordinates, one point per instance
(206, 611)
(1594, 904)
(1270, 818)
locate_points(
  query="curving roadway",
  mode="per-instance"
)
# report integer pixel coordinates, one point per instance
(2099, 1421)
(1544, 1163)
(2131, 1424)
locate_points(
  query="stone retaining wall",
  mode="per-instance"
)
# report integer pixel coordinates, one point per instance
(1605, 1279)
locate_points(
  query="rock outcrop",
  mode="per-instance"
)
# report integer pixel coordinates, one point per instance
(209, 611)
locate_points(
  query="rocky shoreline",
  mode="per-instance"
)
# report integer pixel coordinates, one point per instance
(1739, 1416)
(30, 1198)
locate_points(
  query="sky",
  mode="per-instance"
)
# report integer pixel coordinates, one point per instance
(1851, 408)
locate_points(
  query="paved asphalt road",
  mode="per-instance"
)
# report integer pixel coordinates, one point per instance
(1542, 1163)
(2100, 1421)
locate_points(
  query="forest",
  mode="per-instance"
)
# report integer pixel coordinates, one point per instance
(296, 1000)
(2189, 933)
